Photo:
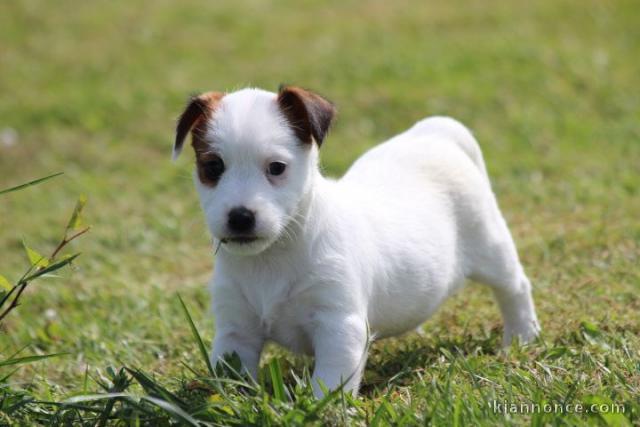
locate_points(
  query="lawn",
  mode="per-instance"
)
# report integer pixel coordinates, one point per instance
(92, 89)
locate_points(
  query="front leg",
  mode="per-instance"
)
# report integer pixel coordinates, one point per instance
(340, 346)
(248, 346)
(238, 329)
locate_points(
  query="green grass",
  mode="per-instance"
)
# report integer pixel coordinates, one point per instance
(92, 89)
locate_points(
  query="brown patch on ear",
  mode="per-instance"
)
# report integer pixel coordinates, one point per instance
(193, 119)
(308, 113)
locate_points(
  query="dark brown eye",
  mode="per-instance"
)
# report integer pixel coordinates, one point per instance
(213, 168)
(276, 168)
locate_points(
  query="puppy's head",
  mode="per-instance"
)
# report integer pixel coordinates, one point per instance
(256, 156)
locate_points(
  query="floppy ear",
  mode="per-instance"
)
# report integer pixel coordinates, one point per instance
(198, 110)
(308, 114)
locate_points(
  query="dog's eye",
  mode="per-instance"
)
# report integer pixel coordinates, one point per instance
(213, 168)
(276, 168)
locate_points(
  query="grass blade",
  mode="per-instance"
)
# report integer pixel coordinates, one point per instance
(4, 283)
(198, 338)
(175, 411)
(94, 397)
(28, 359)
(379, 415)
(153, 387)
(275, 370)
(35, 259)
(30, 183)
(9, 375)
(53, 267)
(75, 222)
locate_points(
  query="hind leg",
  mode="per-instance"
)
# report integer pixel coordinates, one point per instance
(496, 264)
(518, 311)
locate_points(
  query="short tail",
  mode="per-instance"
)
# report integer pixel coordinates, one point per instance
(457, 132)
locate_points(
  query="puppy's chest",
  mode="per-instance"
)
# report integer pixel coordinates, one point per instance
(285, 311)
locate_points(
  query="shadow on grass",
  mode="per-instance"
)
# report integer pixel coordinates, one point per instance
(397, 361)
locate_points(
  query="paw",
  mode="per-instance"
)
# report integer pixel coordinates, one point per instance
(525, 333)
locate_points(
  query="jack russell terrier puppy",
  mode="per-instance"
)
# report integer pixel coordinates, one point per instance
(321, 266)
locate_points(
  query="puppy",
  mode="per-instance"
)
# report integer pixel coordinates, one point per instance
(320, 266)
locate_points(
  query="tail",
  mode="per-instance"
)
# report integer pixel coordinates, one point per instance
(458, 133)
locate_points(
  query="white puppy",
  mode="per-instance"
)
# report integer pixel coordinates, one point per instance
(319, 266)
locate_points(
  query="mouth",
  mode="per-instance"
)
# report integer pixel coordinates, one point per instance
(239, 240)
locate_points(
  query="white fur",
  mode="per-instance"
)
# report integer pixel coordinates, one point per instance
(380, 248)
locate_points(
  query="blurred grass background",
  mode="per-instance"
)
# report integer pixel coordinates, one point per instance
(550, 89)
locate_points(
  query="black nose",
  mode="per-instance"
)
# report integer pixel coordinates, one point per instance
(241, 220)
